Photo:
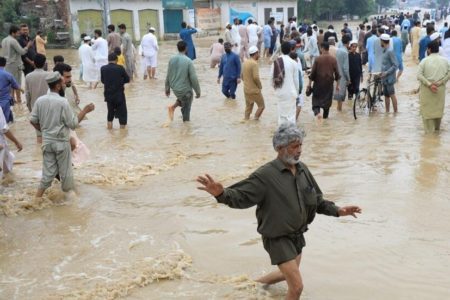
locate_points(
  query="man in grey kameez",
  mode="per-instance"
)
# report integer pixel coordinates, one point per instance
(343, 66)
(127, 50)
(52, 115)
(13, 52)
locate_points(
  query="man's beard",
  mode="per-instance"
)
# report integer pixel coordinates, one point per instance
(290, 159)
(61, 92)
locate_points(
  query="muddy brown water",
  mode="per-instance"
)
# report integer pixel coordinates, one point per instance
(139, 228)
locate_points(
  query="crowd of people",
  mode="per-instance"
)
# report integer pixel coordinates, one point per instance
(305, 60)
(332, 63)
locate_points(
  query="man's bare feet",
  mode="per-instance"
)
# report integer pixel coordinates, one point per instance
(171, 112)
(109, 125)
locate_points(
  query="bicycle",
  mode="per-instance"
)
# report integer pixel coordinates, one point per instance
(369, 99)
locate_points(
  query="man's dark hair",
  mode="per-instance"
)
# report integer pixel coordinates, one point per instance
(293, 55)
(82, 36)
(2, 61)
(13, 29)
(122, 26)
(250, 21)
(98, 32)
(23, 25)
(430, 29)
(58, 59)
(111, 27)
(286, 48)
(117, 51)
(181, 46)
(361, 26)
(320, 31)
(309, 31)
(39, 32)
(434, 46)
(52, 85)
(394, 33)
(221, 41)
(325, 46)
(39, 60)
(183, 25)
(61, 68)
(368, 27)
(112, 57)
(380, 31)
(345, 24)
(345, 39)
(445, 24)
(330, 27)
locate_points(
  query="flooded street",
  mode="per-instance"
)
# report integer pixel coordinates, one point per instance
(139, 228)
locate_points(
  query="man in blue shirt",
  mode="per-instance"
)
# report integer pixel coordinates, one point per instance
(398, 51)
(230, 69)
(423, 44)
(7, 84)
(186, 35)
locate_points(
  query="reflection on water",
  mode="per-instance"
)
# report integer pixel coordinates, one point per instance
(138, 227)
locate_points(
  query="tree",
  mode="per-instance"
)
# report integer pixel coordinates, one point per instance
(384, 3)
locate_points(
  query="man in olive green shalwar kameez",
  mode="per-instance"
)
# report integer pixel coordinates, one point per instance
(182, 79)
(52, 115)
(287, 199)
(433, 74)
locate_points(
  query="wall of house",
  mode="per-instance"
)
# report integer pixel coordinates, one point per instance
(130, 5)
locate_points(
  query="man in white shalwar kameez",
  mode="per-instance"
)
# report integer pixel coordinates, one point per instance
(252, 31)
(90, 71)
(150, 48)
(100, 48)
(236, 36)
(6, 156)
(287, 93)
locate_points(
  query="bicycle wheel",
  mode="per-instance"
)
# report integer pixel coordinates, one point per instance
(378, 103)
(361, 104)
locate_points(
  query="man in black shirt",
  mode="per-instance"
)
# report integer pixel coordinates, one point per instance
(355, 69)
(28, 58)
(114, 78)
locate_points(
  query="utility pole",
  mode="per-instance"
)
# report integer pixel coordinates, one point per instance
(106, 15)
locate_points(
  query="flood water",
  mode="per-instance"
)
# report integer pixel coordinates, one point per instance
(139, 228)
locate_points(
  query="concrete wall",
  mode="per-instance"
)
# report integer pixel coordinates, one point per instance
(134, 5)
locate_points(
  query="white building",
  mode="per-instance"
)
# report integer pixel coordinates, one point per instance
(259, 10)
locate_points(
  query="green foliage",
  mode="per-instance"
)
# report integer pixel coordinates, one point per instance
(384, 3)
(10, 11)
(51, 37)
(334, 9)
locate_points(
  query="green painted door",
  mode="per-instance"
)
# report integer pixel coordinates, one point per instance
(89, 20)
(148, 18)
(119, 16)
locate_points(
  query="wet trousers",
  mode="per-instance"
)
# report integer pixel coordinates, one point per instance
(229, 86)
(57, 160)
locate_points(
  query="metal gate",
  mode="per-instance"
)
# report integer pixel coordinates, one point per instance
(172, 20)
